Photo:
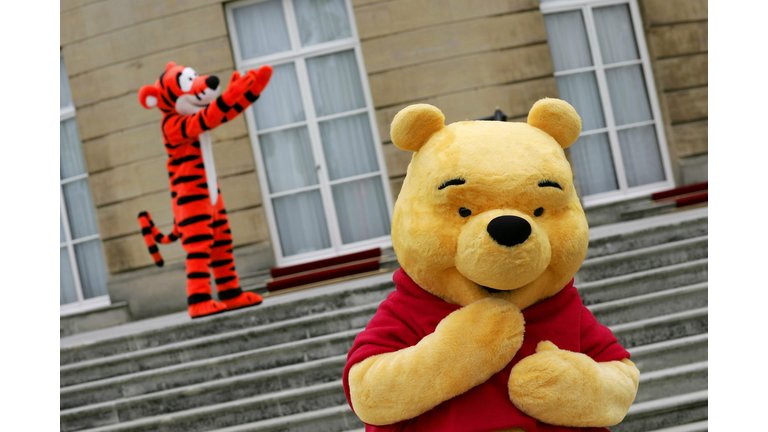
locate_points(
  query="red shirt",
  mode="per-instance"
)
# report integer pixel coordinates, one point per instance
(410, 313)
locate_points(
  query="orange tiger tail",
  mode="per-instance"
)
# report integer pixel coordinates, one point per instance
(152, 236)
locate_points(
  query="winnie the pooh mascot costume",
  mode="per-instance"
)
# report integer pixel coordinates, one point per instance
(485, 331)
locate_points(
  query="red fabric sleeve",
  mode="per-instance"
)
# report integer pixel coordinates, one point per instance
(597, 340)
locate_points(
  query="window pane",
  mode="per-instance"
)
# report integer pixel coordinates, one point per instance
(593, 164)
(80, 212)
(93, 271)
(361, 209)
(615, 34)
(261, 29)
(348, 146)
(568, 41)
(628, 95)
(288, 159)
(65, 97)
(335, 82)
(640, 153)
(72, 162)
(301, 223)
(580, 90)
(321, 20)
(67, 293)
(280, 103)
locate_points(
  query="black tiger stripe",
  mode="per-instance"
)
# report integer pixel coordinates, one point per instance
(219, 243)
(172, 95)
(190, 198)
(203, 126)
(194, 219)
(220, 263)
(198, 255)
(165, 120)
(198, 238)
(237, 107)
(167, 102)
(144, 213)
(170, 174)
(218, 223)
(198, 275)
(147, 230)
(227, 231)
(171, 147)
(225, 279)
(184, 159)
(200, 166)
(165, 110)
(186, 179)
(230, 293)
(198, 298)
(173, 194)
(223, 211)
(203, 185)
(196, 144)
(184, 128)
(251, 97)
(160, 263)
(228, 251)
(162, 84)
(153, 249)
(172, 237)
(222, 106)
(158, 237)
(224, 120)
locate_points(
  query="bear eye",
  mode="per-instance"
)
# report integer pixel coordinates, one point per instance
(538, 212)
(464, 212)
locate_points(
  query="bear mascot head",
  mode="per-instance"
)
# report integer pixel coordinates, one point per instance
(485, 330)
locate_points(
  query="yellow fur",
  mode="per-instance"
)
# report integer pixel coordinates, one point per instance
(454, 258)
(391, 387)
(570, 389)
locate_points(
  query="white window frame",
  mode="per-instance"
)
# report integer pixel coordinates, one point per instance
(624, 192)
(298, 55)
(82, 304)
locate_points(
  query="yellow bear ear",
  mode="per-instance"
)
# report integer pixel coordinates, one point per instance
(414, 124)
(557, 118)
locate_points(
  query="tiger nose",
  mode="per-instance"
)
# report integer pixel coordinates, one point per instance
(212, 82)
(509, 230)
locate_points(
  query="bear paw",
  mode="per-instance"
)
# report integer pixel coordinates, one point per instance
(243, 300)
(205, 308)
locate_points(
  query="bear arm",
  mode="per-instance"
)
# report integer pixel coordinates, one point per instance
(468, 347)
(564, 388)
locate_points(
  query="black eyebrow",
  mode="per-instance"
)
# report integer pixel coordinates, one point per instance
(550, 183)
(452, 182)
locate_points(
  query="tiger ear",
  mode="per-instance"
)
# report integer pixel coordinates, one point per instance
(148, 96)
(170, 65)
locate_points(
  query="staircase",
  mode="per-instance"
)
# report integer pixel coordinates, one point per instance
(278, 366)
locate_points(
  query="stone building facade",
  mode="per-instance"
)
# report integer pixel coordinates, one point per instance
(467, 57)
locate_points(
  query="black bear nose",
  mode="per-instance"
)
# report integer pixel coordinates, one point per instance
(212, 82)
(509, 230)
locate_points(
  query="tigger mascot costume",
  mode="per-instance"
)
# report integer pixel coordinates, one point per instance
(191, 106)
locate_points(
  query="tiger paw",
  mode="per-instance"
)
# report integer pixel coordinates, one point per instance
(243, 300)
(208, 307)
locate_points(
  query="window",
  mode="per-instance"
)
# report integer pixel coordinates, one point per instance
(602, 68)
(83, 281)
(313, 129)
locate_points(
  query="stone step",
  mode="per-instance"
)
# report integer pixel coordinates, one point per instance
(217, 345)
(179, 327)
(665, 413)
(650, 209)
(700, 426)
(202, 394)
(332, 419)
(671, 353)
(672, 381)
(623, 237)
(642, 259)
(247, 410)
(661, 328)
(651, 305)
(199, 371)
(644, 282)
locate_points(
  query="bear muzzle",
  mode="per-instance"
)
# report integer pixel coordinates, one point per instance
(502, 250)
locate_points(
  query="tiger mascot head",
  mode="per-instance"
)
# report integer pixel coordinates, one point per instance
(179, 89)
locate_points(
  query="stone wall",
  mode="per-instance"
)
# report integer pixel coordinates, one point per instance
(676, 32)
(465, 57)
